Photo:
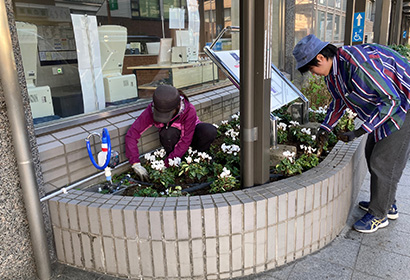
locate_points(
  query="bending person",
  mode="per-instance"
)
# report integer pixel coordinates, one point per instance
(178, 125)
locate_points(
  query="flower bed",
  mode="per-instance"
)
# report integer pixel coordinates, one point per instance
(198, 173)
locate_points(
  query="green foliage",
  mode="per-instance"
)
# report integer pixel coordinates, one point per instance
(308, 161)
(147, 191)
(404, 50)
(289, 167)
(316, 92)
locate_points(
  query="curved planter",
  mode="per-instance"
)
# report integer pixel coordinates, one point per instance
(212, 236)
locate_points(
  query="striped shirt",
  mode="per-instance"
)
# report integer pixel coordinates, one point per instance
(374, 82)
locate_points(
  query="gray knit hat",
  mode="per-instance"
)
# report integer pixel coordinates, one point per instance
(307, 49)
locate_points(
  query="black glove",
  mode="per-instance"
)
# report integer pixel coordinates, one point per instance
(321, 138)
(351, 135)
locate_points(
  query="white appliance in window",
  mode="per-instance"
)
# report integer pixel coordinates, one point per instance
(40, 97)
(113, 42)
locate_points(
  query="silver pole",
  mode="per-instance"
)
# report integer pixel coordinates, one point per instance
(15, 111)
(248, 131)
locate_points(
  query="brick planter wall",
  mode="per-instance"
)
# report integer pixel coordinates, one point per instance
(212, 236)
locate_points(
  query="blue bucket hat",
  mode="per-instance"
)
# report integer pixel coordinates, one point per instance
(307, 49)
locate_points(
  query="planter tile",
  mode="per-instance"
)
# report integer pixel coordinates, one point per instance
(146, 264)
(300, 201)
(237, 218)
(272, 210)
(249, 216)
(237, 263)
(211, 256)
(105, 218)
(182, 224)
(121, 256)
(271, 243)
(291, 239)
(129, 222)
(260, 247)
(282, 207)
(118, 220)
(142, 223)
(158, 257)
(133, 257)
(169, 225)
(63, 214)
(261, 210)
(249, 243)
(67, 243)
(209, 222)
(184, 259)
(86, 249)
(72, 215)
(292, 204)
(171, 259)
(223, 221)
(58, 239)
(224, 254)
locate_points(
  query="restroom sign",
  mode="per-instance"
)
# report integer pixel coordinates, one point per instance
(358, 27)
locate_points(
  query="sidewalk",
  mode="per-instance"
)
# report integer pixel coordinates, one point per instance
(384, 254)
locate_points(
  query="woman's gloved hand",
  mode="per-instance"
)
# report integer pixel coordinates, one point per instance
(351, 135)
(140, 171)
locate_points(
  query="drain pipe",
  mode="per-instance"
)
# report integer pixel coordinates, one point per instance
(14, 104)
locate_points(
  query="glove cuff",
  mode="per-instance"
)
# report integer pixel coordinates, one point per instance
(359, 132)
(136, 164)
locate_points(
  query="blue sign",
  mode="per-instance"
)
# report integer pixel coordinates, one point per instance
(358, 27)
(404, 34)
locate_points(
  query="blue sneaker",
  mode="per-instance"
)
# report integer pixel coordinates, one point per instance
(393, 214)
(370, 223)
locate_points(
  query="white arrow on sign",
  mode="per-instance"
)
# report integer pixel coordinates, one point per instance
(359, 17)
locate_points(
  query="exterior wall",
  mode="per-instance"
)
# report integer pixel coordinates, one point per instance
(64, 157)
(16, 252)
(211, 236)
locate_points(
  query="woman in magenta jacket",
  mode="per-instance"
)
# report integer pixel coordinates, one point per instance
(178, 126)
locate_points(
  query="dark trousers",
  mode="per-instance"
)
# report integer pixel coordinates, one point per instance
(386, 161)
(204, 135)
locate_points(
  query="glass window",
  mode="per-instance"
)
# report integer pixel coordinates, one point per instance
(329, 27)
(336, 33)
(149, 9)
(331, 3)
(322, 2)
(338, 4)
(342, 29)
(321, 25)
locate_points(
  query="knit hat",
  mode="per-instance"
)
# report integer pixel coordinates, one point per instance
(166, 98)
(307, 49)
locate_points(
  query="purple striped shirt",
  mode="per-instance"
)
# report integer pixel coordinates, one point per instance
(374, 82)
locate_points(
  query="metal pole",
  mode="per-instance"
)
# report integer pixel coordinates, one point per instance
(15, 111)
(248, 131)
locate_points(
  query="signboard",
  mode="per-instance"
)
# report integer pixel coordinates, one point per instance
(358, 27)
(404, 34)
(282, 90)
(113, 4)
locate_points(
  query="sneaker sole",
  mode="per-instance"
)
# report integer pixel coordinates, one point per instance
(383, 225)
(389, 216)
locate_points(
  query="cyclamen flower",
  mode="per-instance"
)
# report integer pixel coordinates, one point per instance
(224, 122)
(294, 123)
(230, 149)
(289, 155)
(308, 149)
(306, 131)
(188, 159)
(214, 124)
(158, 165)
(282, 126)
(225, 173)
(204, 156)
(174, 162)
(232, 133)
(160, 153)
(350, 114)
(235, 117)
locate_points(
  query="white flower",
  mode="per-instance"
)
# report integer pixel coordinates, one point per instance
(306, 131)
(294, 123)
(147, 156)
(282, 126)
(158, 165)
(289, 155)
(174, 162)
(350, 114)
(232, 133)
(214, 124)
(235, 117)
(188, 159)
(225, 173)
(197, 160)
(314, 137)
(224, 122)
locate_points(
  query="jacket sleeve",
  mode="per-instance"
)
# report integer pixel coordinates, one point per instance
(335, 111)
(141, 124)
(188, 124)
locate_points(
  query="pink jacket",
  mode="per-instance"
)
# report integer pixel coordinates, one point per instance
(186, 122)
